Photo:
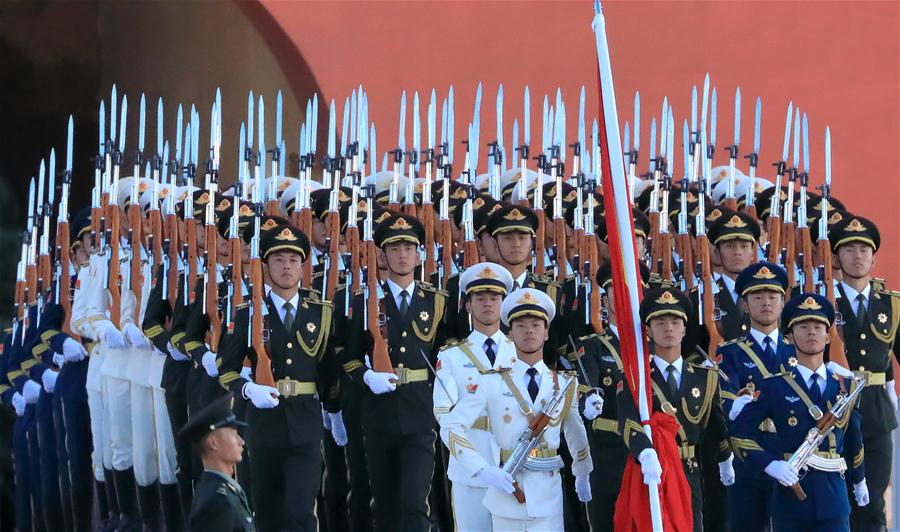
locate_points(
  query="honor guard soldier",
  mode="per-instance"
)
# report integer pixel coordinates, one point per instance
(285, 427)
(602, 363)
(735, 238)
(220, 503)
(397, 417)
(689, 392)
(745, 363)
(870, 317)
(799, 401)
(527, 405)
(459, 369)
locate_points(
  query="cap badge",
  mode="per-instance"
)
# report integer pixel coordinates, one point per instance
(735, 222)
(286, 234)
(855, 226)
(514, 215)
(810, 304)
(401, 224)
(764, 273)
(667, 298)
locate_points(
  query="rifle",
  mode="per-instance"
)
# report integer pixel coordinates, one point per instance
(559, 221)
(334, 234)
(381, 360)
(730, 201)
(171, 243)
(63, 246)
(263, 373)
(537, 205)
(446, 244)
(787, 221)
(805, 457)
(135, 217)
(750, 202)
(210, 253)
(774, 221)
(531, 436)
(30, 266)
(46, 210)
(591, 263)
(191, 229)
(113, 209)
(428, 212)
(706, 314)
(836, 349)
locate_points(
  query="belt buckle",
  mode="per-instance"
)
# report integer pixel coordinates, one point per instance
(402, 375)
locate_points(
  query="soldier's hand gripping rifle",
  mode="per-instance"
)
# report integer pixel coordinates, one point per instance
(805, 456)
(836, 348)
(531, 436)
(381, 361)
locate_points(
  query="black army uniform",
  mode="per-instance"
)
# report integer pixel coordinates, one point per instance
(870, 322)
(220, 505)
(695, 403)
(398, 424)
(284, 435)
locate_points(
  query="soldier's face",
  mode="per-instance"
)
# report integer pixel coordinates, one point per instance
(737, 254)
(856, 259)
(667, 331)
(485, 307)
(227, 444)
(514, 246)
(764, 307)
(487, 246)
(284, 269)
(401, 257)
(529, 334)
(318, 233)
(810, 337)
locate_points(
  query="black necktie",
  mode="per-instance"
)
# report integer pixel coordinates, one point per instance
(532, 384)
(670, 381)
(288, 315)
(767, 346)
(815, 393)
(489, 350)
(861, 309)
(404, 303)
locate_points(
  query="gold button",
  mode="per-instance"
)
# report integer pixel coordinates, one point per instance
(862, 351)
(402, 349)
(862, 336)
(862, 368)
(403, 334)
(289, 362)
(290, 345)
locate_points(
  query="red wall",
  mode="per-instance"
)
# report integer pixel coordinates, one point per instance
(838, 61)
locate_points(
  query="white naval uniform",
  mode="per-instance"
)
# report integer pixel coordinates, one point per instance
(459, 370)
(543, 508)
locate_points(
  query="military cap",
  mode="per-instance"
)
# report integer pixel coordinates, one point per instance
(854, 229)
(200, 197)
(604, 275)
(284, 238)
(641, 225)
(763, 201)
(527, 302)
(761, 276)
(289, 195)
(737, 226)
(664, 302)
(485, 277)
(569, 198)
(512, 218)
(146, 197)
(483, 212)
(81, 224)
(807, 306)
(245, 218)
(835, 216)
(399, 228)
(477, 203)
(123, 197)
(760, 185)
(815, 204)
(215, 415)
(267, 222)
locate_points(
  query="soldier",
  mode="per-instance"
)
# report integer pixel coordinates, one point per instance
(397, 417)
(689, 392)
(735, 238)
(745, 363)
(795, 400)
(284, 422)
(510, 396)
(220, 503)
(870, 315)
(459, 369)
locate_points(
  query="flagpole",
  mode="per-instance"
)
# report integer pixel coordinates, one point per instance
(625, 273)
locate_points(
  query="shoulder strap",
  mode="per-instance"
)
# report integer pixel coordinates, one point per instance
(464, 347)
(752, 354)
(523, 404)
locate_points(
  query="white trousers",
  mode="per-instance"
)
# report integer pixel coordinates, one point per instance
(165, 440)
(551, 523)
(469, 513)
(143, 434)
(101, 454)
(117, 403)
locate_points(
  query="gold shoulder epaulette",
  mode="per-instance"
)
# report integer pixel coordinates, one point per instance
(428, 287)
(702, 366)
(495, 371)
(317, 301)
(589, 336)
(735, 341)
(453, 343)
(780, 374)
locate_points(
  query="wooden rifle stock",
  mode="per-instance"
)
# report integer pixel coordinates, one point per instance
(837, 351)
(355, 265)
(381, 360)
(65, 280)
(263, 374)
(709, 304)
(447, 251)
(686, 252)
(593, 257)
(334, 253)
(773, 224)
(562, 260)
(665, 249)
(806, 249)
(790, 258)
(172, 253)
(539, 249)
(137, 264)
(428, 222)
(654, 238)
(306, 227)
(115, 293)
(212, 288)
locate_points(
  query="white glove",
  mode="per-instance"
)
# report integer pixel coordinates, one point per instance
(59, 360)
(379, 382)
(245, 373)
(177, 355)
(650, 466)
(73, 351)
(726, 471)
(261, 396)
(834, 367)
(892, 393)
(326, 421)
(338, 430)
(31, 391)
(209, 364)
(497, 478)
(738, 405)
(18, 403)
(593, 407)
(48, 378)
(707, 363)
(135, 336)
(109, 335)
(783, 472)
(861, 493)
(583, 488)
